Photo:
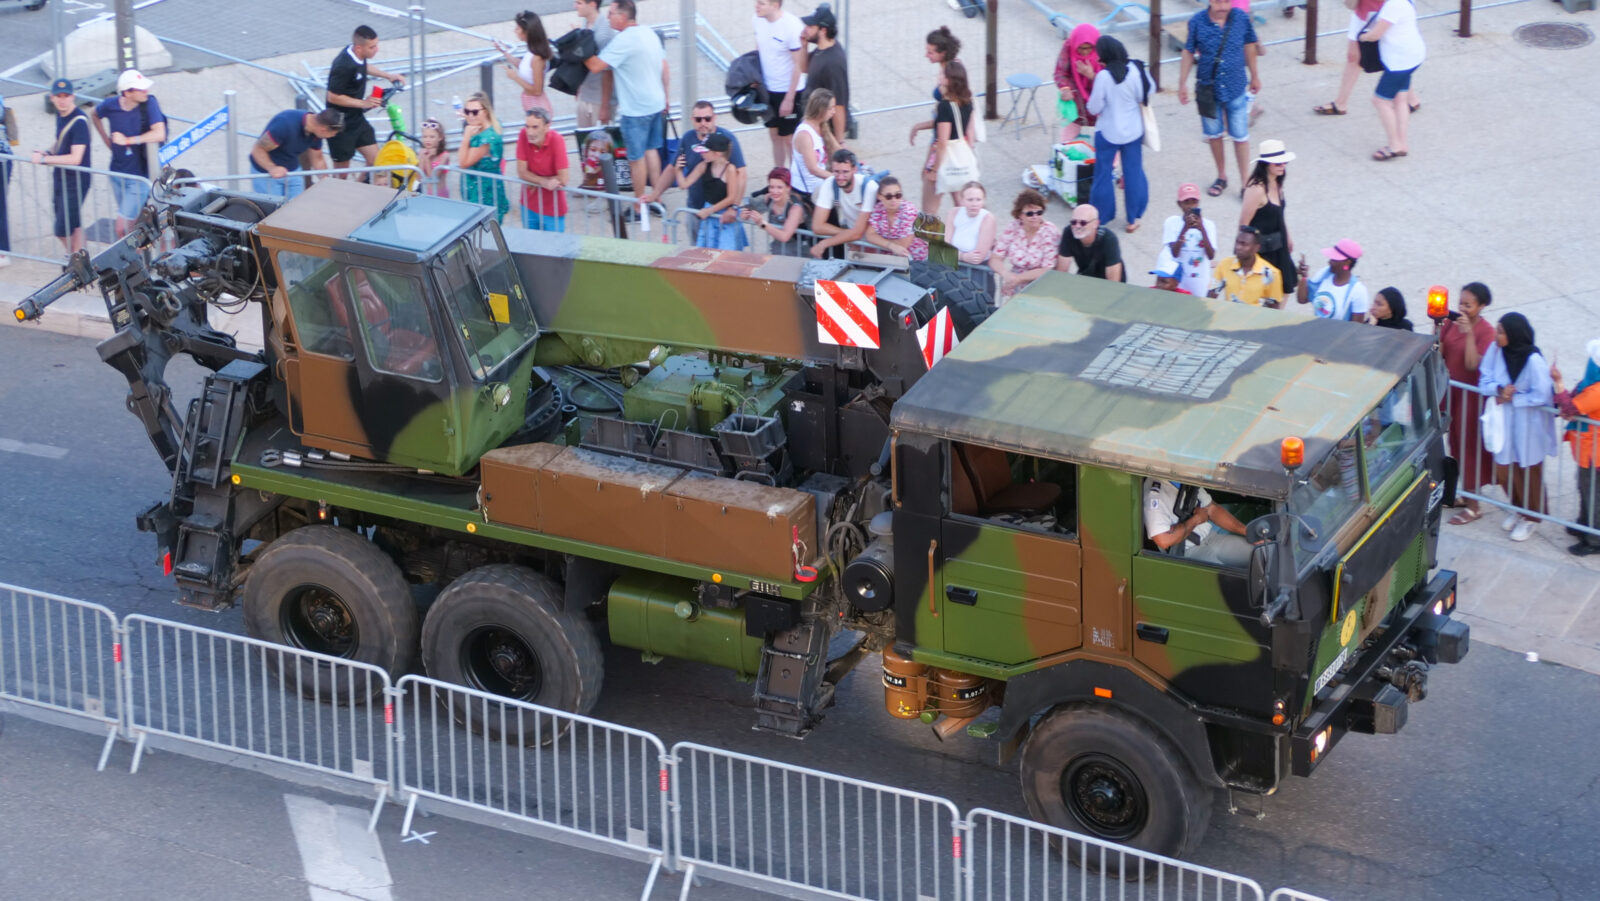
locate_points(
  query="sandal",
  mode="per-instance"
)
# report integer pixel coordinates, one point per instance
(1332, 109)
(1217, 187)
(1416, 108)
(1384, 154)
(1467, 515)
(1132, 227)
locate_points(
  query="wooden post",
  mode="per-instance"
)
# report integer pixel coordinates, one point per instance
(991, 90)
(1153, 64)
(1311, 32)
(1465, 28)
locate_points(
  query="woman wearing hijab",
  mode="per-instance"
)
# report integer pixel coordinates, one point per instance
(1388, 310)
(1076, 68)
(1119, 90)
(1516, 375)
(1581, 406)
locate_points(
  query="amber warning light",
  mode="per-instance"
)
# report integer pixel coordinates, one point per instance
(1292, 453)
(1438, 303)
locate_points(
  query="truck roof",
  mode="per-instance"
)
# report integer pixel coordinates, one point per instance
(1190, 389)
(335, 212)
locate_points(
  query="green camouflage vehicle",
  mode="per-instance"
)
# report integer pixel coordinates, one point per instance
(554, 439)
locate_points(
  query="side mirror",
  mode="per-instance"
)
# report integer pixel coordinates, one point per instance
(1263, 574)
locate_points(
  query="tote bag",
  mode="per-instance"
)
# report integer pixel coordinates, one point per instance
(960, 163)
(1152, 130)
(1492, 426)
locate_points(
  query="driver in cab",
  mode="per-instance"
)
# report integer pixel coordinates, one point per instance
(1182, 520)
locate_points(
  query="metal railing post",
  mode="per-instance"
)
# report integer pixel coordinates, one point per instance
(421, 87)
(231, 130)
(1311, 32)
(1464, 28)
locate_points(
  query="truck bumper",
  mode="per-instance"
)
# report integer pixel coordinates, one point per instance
(1369, 697)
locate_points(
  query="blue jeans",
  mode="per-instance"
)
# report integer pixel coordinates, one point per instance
(642, 133)
(289, 187)
(1103, 192)
(1236, 114)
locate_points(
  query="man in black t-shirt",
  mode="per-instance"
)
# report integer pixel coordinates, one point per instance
(1092, 249)
(347, 93)
(827, 67)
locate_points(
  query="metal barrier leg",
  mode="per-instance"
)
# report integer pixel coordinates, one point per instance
(105, 752)
(138, 753)
(377, 810)
(688, 883)
(411, 809)
(650, 881)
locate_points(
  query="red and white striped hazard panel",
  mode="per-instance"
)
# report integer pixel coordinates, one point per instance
(937, 338)
(847, 314)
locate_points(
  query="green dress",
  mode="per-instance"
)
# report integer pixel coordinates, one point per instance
(487, 191)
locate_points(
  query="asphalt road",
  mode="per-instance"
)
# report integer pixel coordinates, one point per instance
(1488, 793)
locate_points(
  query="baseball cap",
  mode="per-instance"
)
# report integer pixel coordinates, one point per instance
(1167, 267)
(61, 86)
(1188, 191)
(822, 16)
(133, 80)
(718, 142)
(1345, 249)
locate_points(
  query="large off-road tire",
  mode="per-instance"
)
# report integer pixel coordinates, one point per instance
(969, 298)
(1098, 772)
(325, 589)
(502, 629)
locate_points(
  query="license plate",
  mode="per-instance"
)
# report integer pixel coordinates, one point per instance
(1330, 672)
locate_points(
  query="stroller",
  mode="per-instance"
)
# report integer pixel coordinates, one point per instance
(1068, 174)
(398, 150)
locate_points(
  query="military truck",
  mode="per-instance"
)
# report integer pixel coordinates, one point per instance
(482, 454)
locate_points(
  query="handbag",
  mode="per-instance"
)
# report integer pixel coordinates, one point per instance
(1371, 59)
(1152, 130)
(1205, 95)
(1492, 426)
(960, 163)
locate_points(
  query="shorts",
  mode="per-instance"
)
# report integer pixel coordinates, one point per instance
(1236, 114)
(288, 188)
(356, 134)
(641, 133)
(539, 222)
(589, 113)
(69, 197)
(130, 193)
(1392, 84)
(786, 125)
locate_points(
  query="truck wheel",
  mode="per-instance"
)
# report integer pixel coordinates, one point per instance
(501, 629)
(331, 591)
(969, 298)
(1107, 775)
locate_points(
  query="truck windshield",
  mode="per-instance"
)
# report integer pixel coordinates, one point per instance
(478, 280)
(1365, 458)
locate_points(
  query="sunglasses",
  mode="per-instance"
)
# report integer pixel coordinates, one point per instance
(1082, 222)
(1032, 213)
(704, 118)
(473, 112)
(895, 196)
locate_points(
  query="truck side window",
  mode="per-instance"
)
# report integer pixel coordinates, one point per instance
(316, 299)
(394, 323)
(1016, 489)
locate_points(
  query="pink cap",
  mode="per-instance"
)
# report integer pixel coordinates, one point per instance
(1188, 191)
(1345, 249)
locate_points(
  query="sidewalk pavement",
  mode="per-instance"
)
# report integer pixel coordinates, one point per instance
(1474, 201)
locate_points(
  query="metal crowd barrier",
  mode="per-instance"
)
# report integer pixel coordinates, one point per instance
(61, 655)
(1289, 894)
(402, 172)
(259, 699)
(769, 825)
(587, 781)
(1537, 491)
(1013, 859)
(31, 207)
(589, 212)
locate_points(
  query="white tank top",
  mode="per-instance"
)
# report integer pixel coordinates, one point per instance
(964, 229)
(800, 177)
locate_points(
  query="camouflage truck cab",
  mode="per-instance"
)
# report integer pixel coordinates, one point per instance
(1020, 552)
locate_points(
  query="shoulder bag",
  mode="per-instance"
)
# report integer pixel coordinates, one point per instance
(1152, 130)
(1371, 59)
(1205, 95)
(960, 163)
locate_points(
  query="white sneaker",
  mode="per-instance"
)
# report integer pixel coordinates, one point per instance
(1523, 530)
(1510, 522)
(4, 261)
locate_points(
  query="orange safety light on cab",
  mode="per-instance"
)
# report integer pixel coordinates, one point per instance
(1292, 452)
(1438, 302)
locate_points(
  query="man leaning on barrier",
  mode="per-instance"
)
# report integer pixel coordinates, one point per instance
(291, 142)
(135, 120)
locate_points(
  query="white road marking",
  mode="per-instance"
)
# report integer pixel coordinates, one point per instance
(342, 861)
(12, 446)
(416, 836)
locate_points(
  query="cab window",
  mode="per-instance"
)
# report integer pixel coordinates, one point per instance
(394, 323)
(1014, 489)
(1395, 427)
(316, 300)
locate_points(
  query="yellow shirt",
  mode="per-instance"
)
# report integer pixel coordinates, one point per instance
(1232, 282)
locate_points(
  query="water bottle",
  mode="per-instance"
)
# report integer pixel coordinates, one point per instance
(455, 102)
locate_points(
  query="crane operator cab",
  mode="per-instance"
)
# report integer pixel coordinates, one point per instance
(400, 324)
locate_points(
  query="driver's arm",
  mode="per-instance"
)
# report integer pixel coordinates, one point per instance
(1222, 517)
(1181, 531)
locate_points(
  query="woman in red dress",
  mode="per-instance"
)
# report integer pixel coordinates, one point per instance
(1463, 340)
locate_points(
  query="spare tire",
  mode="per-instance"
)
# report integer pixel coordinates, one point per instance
(969, 296)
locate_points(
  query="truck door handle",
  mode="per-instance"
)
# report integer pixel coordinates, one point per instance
(959, 595)
(1157, 634)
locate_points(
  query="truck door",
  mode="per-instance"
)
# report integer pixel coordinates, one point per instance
(1012, 563)
(319, 365)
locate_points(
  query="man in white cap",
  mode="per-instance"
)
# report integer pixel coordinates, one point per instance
(128, 123)
(1334, 292)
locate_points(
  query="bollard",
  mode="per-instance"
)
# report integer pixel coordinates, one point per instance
(1154, 64)
(231, 131)
(1464, 29)
(1311, 32)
